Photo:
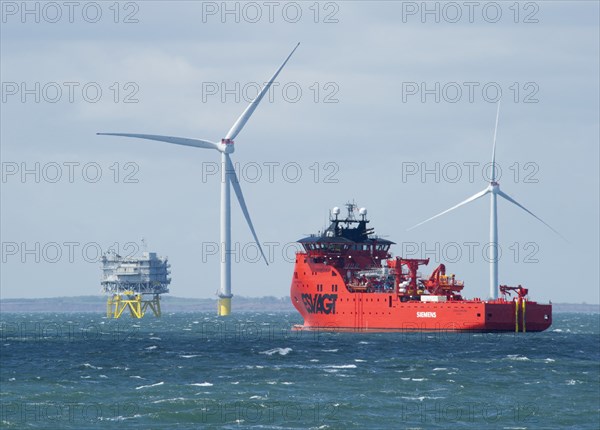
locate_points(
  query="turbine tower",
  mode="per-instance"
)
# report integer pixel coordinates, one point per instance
(493, 189)
(228, 177)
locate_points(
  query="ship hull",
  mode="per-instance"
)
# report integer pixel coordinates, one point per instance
(320, 295)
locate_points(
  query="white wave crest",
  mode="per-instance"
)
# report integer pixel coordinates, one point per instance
(148, 386)
(173, 400)
(517, 357)
(280, 351)
(89, 366)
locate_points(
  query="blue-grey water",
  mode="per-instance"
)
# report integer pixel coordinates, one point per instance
(189, 371)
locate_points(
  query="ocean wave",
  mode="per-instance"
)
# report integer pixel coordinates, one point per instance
(89, 366)
(421, 398)
(190, 356)
(151, 385)
(517, 357)
(280, 351)
(173, 400)
(202, 384)
(118, 418)
(341, 366)
(150, 348)
(330, 350)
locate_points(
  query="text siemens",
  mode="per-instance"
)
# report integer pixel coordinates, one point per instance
(426, 315)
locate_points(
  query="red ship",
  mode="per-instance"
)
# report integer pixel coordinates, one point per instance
(346, 279)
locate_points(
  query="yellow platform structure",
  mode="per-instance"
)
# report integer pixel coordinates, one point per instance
(224, 306)
(136, 303)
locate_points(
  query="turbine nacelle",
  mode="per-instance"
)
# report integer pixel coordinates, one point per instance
(227, 146)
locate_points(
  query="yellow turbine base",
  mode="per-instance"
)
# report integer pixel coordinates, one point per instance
(224, 307)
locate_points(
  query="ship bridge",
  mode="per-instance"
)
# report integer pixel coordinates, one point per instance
(348, 242)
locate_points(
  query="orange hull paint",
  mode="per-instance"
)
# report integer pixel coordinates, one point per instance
(319, 293)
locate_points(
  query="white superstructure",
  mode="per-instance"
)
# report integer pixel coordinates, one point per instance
(148, 274)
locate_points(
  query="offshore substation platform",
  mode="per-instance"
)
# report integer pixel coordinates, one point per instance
(134, 283)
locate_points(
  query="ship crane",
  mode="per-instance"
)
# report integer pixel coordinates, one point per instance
(412, 265)
(520, 305)
(521, 292)
(440, 283)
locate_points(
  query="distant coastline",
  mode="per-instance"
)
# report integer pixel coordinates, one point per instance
(97, 304)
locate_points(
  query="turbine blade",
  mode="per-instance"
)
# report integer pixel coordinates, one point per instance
(494, 146)
(197, 143)
(243, 119)
(238, 192)
(470, 199)
(513, 201)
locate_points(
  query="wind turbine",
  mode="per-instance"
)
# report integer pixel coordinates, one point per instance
(228, 177)
(493, 189)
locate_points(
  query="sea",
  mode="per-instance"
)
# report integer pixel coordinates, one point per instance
(251, 371)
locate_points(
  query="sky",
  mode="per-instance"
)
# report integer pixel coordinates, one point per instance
(388, 104)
